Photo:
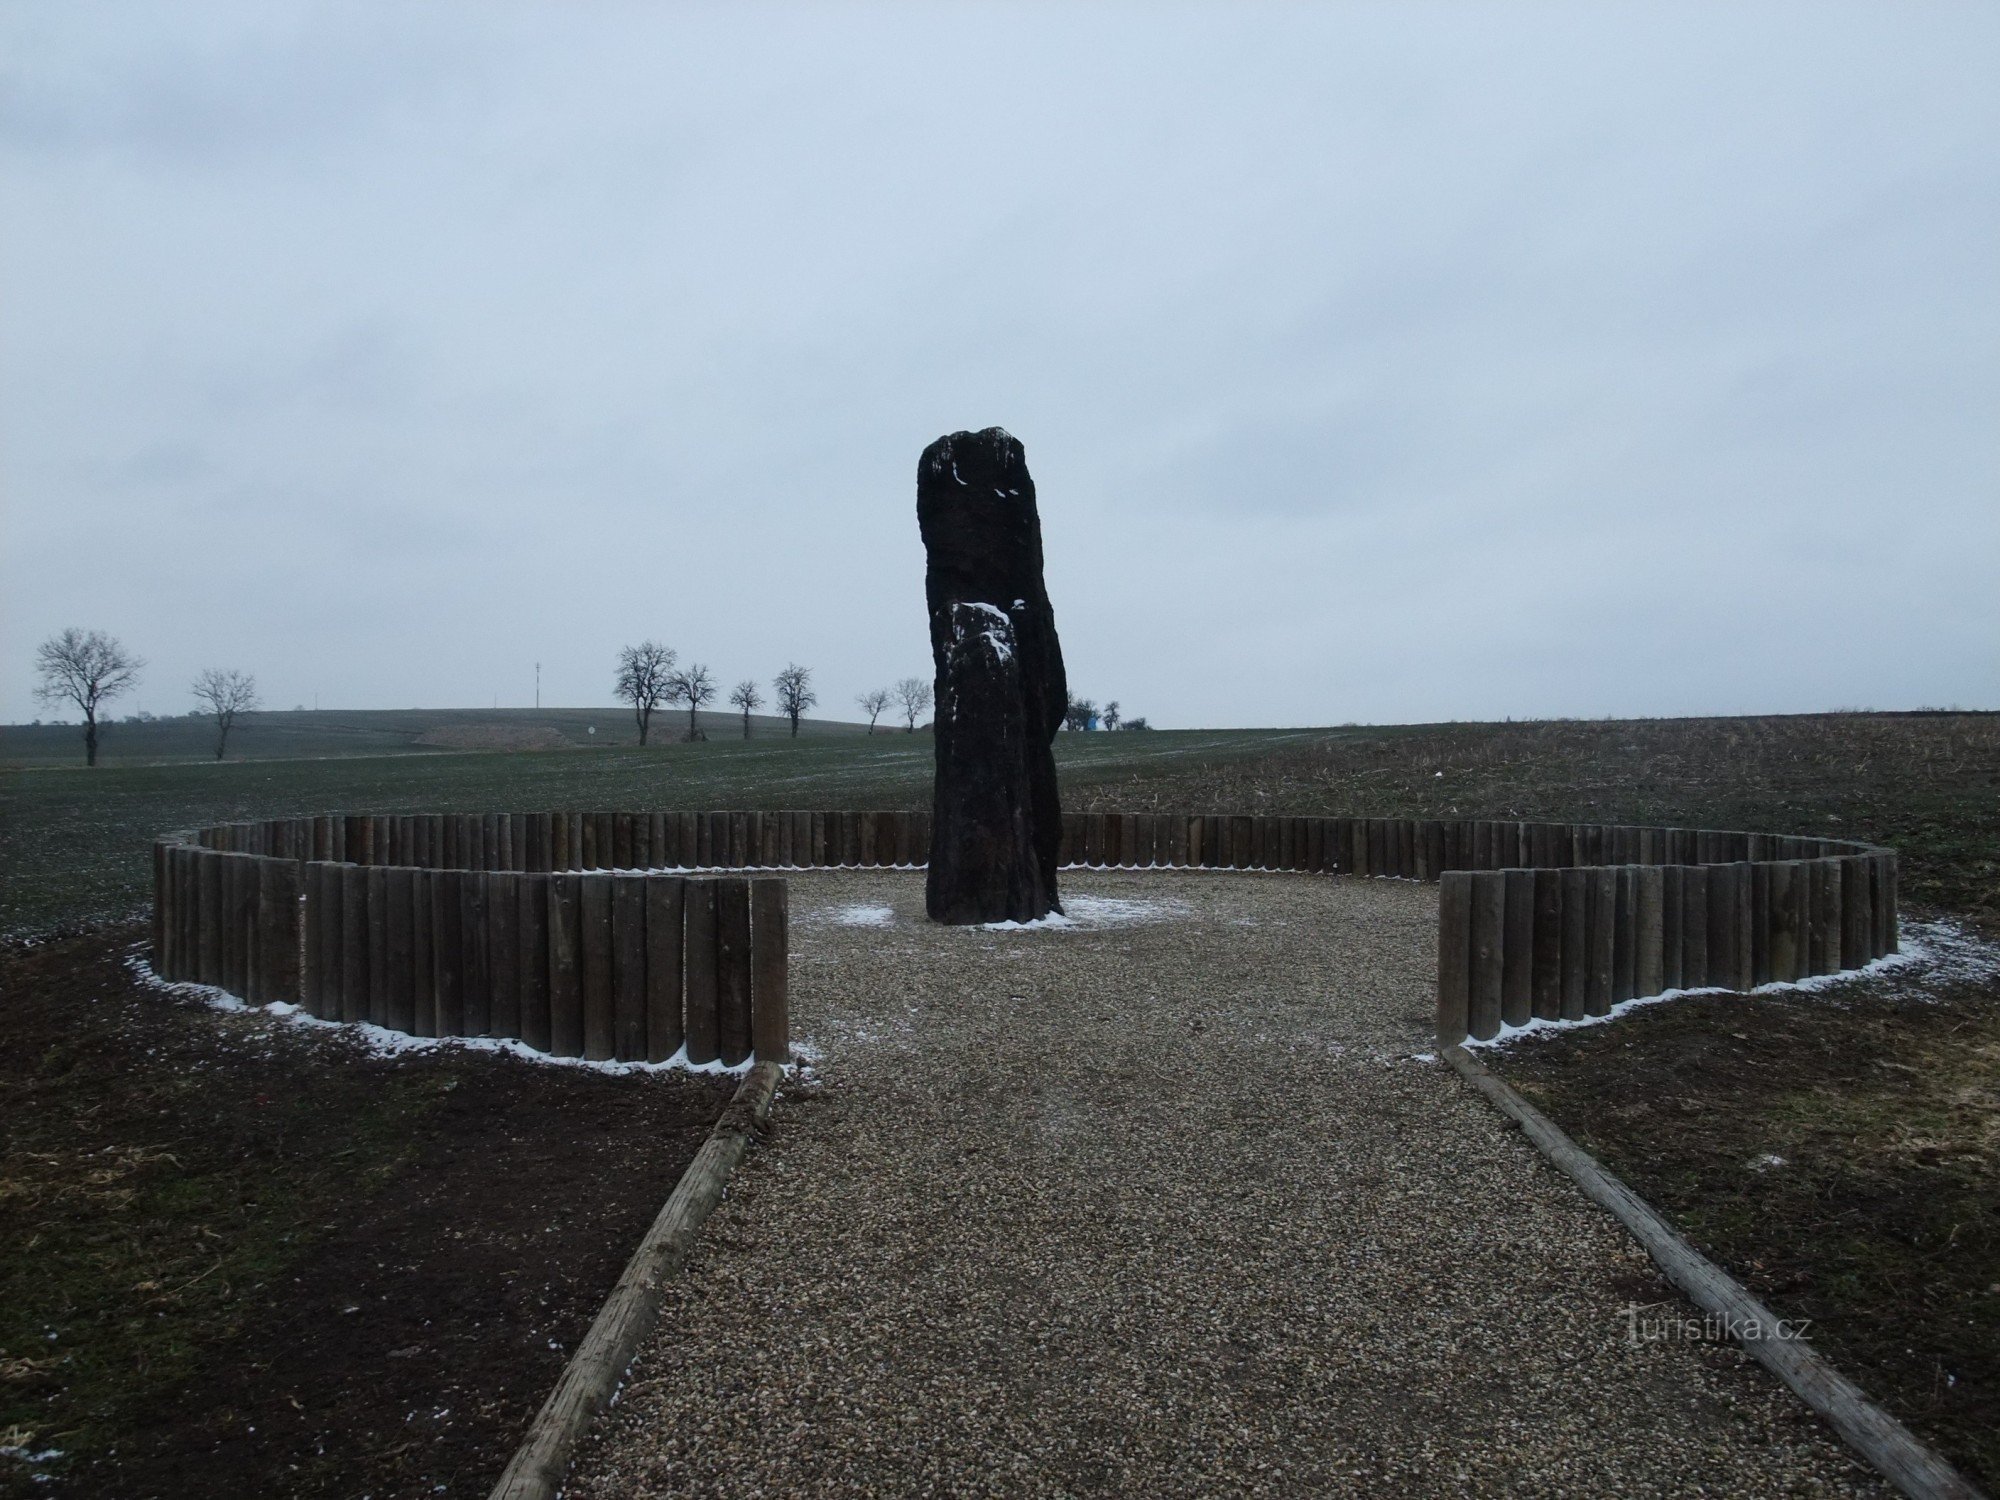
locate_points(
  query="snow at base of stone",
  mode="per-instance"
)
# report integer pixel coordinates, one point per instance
(864, 916)
(380, 1041)
(1933, 952)
(1086, 913)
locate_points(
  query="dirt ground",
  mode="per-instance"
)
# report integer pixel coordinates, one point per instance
(244, 1258)
(1838, 1151)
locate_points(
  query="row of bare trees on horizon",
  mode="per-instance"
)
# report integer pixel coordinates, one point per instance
(650, 677)
(86, 669)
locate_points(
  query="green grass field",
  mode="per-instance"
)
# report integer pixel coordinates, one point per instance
(377, 731)
(74, 842)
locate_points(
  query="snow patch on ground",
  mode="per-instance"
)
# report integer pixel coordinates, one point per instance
(1933, 953)
(1088, 913)
(380, 1041)
(864, 916)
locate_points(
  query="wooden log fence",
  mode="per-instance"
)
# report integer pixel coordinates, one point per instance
(621, 936)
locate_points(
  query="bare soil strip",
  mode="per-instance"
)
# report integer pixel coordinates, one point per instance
(244, 1258)
(1170, 1201)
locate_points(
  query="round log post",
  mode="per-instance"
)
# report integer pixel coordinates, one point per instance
(1575, 1002)
(1547, 940)
(475, 975)
(423, 953)
(732, 970)
(1489, 918)
(1857, 916)
(599, 1024)
(628, 967)
(1603, 939)
(1517, 948)
(354, 975)
(1670, 926)
(1454, 992)
(503, 952)
(1694, 927)
(399, 968)
(698, 969)
(566, 965)
(665, 916)
(448, 949)
(531, 921)
(1649, 920)
(770, 948)
(1625, 953)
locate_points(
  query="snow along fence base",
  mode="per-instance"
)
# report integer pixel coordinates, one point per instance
(560, 929)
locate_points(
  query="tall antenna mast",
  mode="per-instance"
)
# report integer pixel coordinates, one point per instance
(538, 686)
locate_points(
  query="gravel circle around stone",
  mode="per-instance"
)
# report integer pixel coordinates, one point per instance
(1170, 1201)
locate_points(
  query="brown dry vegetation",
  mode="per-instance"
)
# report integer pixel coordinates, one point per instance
(1926, 784)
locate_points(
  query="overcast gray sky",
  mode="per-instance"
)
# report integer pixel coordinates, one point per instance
(1373, 362)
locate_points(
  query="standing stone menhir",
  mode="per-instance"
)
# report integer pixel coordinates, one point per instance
(996, 826)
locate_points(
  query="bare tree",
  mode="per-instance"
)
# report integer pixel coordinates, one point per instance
(872, 703)
(87, 668)
(795, 694)
(225, 695)
(746, 697)
(694, 686)
(1081, 714)
(913, 695)
(1111, 714)
(645, 680)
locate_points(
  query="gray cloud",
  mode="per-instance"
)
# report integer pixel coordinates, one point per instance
(1373, 362)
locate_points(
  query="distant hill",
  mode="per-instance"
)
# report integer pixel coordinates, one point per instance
(311, 733)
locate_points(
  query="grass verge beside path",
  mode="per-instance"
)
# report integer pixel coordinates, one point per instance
(242, 1258)
(1838, 1153)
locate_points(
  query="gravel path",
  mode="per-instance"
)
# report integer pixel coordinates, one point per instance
(1166, 1203)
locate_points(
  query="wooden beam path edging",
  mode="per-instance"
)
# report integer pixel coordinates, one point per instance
(1896, 1453)
(595, 1371)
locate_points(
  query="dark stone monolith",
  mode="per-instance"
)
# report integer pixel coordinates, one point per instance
(997, 826)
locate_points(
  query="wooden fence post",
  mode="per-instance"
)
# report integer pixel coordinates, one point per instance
(475, 975)
(1489, 923)
(354, 972)
(732, 970)
(1670, 926)
(1625, 954)
(378, 941)
(531, 923)
(1517, 948)
(1548, 944)
(1603, 885)
(628, 967)
(503, 952)
(665, 914)
(399, 1003)
(770, 947)
(1649, 917)
(1454, 993)
(1857, 915)
(1575, 1004)
(698, 966)
(423, 952)
(448, 949)
(599, 1027)
(566, 965)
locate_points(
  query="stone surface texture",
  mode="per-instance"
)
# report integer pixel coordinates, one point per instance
(1001, 691)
